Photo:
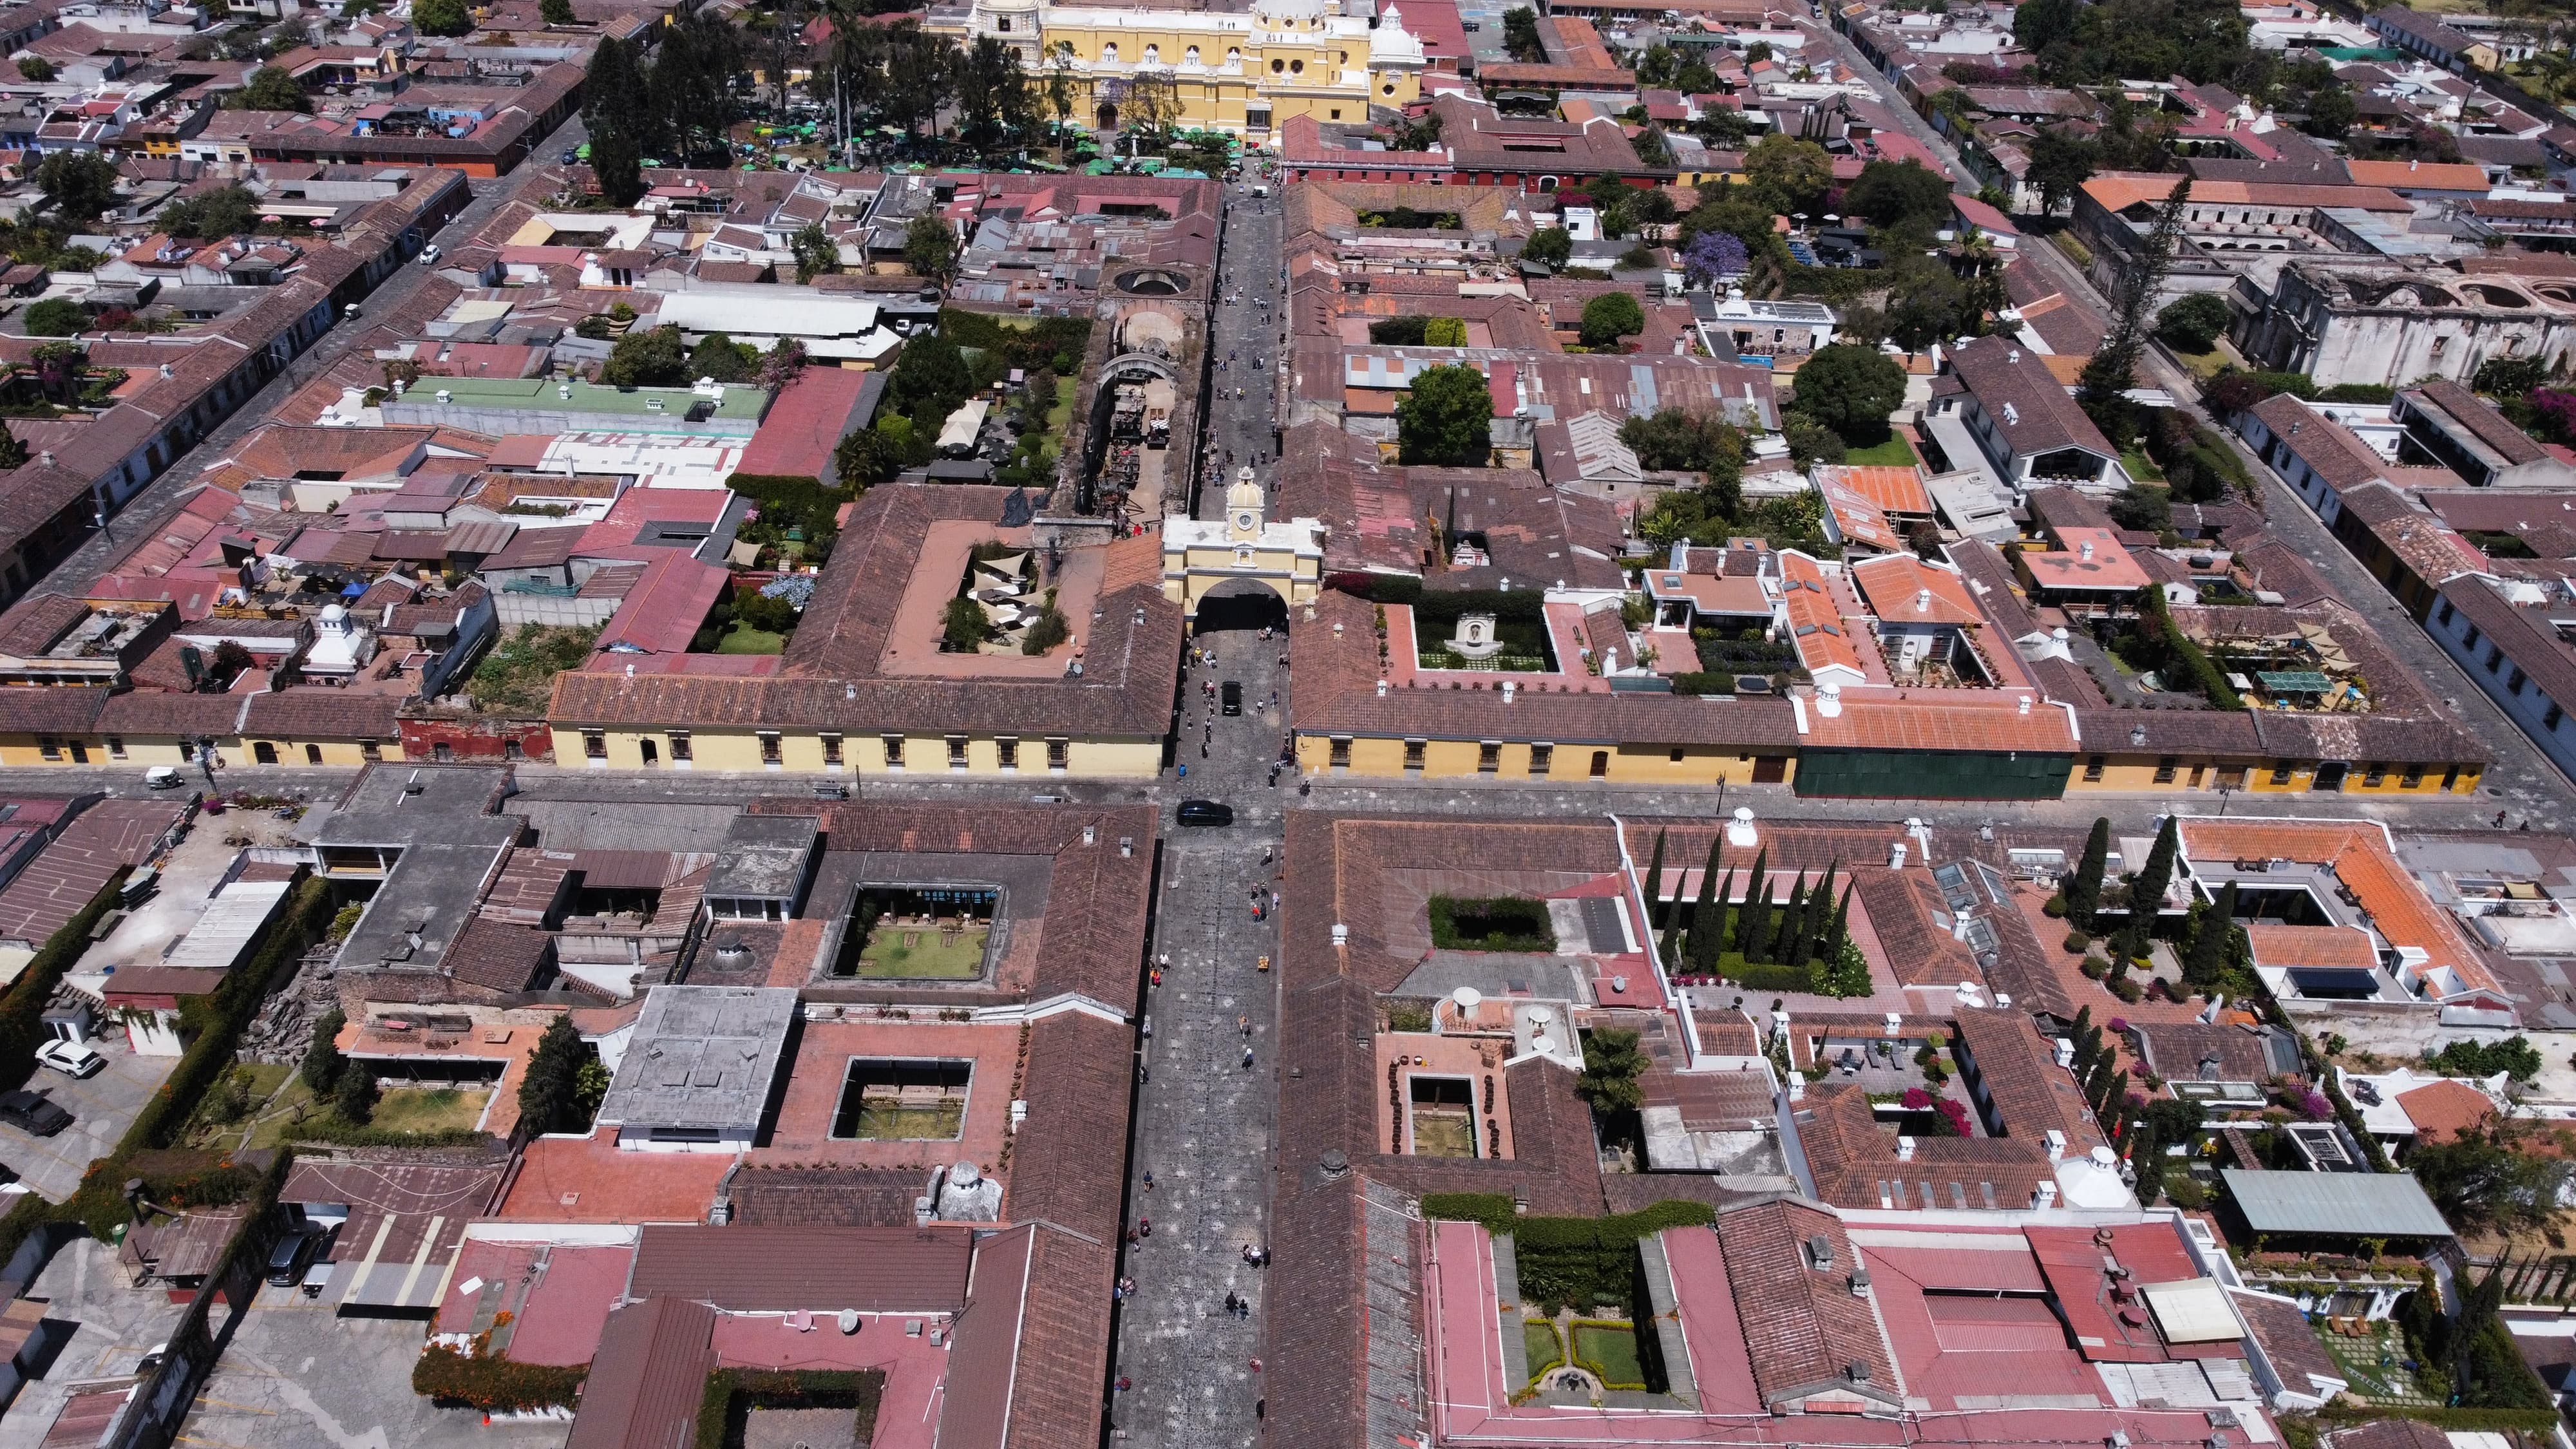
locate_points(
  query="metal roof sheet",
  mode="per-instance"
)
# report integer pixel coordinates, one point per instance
(2379, 1204)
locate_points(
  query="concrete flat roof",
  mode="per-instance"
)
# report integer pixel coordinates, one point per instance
(764, 856)
(702, 1057)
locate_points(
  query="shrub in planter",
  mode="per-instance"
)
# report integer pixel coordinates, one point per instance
(2056, 907)
(2096, 968)
(2076, 942)
(448, 1376)
(2128, 991)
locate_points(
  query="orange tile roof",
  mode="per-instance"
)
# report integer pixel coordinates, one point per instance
(2433, 175)
(2444, 1110)
(2325, 946)
(1815, 623)
(2118, 191)
(1901, 587)
(1894, 490)
(587, 1180)
(2110, 567)
(2362, 859)
(1876, 723)
(1859, 516)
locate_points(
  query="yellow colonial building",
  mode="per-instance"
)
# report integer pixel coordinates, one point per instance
(1199, 558)
(1240, 72)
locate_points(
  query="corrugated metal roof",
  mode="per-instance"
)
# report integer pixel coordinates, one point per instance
(2379, 1204)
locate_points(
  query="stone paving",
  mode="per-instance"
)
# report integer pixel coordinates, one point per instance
(1204, 1129)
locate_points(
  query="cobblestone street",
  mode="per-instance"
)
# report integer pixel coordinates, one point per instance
(1204, 1130)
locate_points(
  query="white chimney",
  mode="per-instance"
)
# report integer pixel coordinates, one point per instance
(1739, 830)
(1904, 1149)
(1509, 689)
(1381, 689)
(444, 395)
(563, 390)
(1341, 934)
(1923, 601)
(2044, 1196)
(165, 370)
(2014, 355)
(2056, 1143)
(1896, 856)
(2025, 705)
(1829, 700)
(1090, 834)
(2084, 550)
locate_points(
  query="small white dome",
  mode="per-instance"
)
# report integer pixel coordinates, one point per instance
(333, 613)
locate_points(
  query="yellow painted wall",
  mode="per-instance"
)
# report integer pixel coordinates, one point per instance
(1328, 88)
(1443, 759)
(2137, 773)
(864, 754)
(149, 750)
(343, 754)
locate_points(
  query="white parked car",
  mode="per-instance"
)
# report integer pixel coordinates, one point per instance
(70, 1058)
(164, 777)
(429, 253)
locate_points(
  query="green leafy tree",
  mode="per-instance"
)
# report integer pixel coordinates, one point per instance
(991, 87)
(55, 317)
(79, 184)
(929, 381)
(864, 458)
(1851, 390)
(816, 253)
(658, 358)
(721, 358)
(212, 215)
(354, 1097)
(1793, 174)
(2084, 888)
(1611, 316)
(1788, 942)
(35, 68)
(13, 453)
(930, 246)
(271, 88)
(1550, 246)
(1446, 418)
(2331, 112)
(2143, 507)
(556, 12)
(549, 1094)
(441, 17)
(620, 123)
(1520, 36)
(2194, 323)
(963, 627)
(2479, 1181)
(1899, 193)
(2043, 23)
(322, 1059)
(2060, 163)
(1612, 1064)
(2510, 377)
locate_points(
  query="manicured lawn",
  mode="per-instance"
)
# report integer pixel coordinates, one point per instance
(1612, 1348)
(2141, 467)
(917, 954)
(1894, 453)
(2203, 365)
(430, 1109)
(1062, 412)
(742, 639)
(1545, 1352)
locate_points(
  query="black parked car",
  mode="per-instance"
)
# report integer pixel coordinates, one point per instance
(286, 1261)
(1206, 812)
(33, 1114)
(1233, 697)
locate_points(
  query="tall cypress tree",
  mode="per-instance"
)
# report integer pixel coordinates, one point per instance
(1793, 942)
(2209, 944)
(2084, 888)
(1699, 915)
(1756, 907)
(1708, 945)
(1820, 910)
(1655, 886)
(2147, 892)
(1835, 933)
(1757, 918)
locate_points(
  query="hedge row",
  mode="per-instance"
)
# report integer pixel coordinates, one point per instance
(1703, 682)
(2462, 1420)
(337, 1133)
(231, 1006)
(731, 1393)
(2205, 675)
(1570, 1261)
(22, 1011)
(448, 1376)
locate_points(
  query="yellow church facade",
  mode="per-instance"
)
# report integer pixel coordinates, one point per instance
(1241, 72)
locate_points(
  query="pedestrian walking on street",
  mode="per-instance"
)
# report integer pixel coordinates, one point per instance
(1243, 1024)
(1247, 1059)
(1149, 1182)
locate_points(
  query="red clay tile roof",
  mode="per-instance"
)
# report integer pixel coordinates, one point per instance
(766, 1270)
(648, 1377)
(1810, 1336)
(2445, 1110)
